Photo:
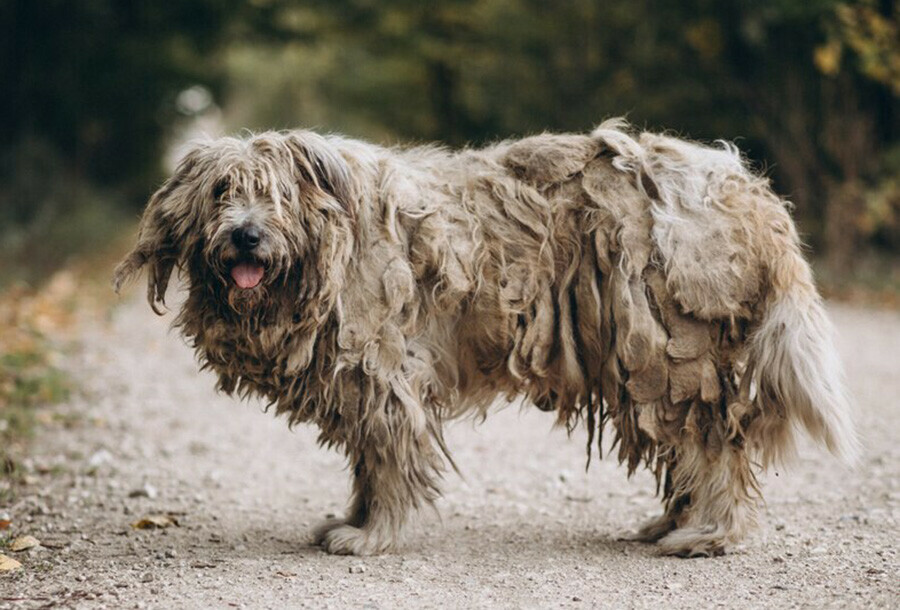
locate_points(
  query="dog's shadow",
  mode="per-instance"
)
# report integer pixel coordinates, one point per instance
(449, 542)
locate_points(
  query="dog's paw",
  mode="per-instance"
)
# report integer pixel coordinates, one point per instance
(321, 530)
(348, 540)
(652, 530)
(708, 541)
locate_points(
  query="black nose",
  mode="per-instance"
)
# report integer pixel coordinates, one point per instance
(246, 237)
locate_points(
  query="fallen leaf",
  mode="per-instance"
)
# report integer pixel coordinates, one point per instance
(152, 522)
(23, 543)
(5, 523)
(8, 563)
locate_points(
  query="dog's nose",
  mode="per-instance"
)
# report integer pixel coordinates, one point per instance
(246, 237)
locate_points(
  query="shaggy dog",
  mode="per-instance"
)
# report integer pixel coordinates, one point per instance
(640, 282)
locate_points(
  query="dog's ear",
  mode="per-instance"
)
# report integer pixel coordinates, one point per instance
(164, 225)
(322, 165)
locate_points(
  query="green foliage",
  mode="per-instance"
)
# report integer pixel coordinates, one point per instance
(89, 90)
(27, 380)
(95, 80)
(764, 72)
(808, 87)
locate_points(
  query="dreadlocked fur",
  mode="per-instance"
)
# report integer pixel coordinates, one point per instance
(643, 283)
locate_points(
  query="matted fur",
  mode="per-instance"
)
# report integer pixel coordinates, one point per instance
(643, 282)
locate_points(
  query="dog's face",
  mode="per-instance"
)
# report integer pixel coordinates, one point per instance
(245, 219)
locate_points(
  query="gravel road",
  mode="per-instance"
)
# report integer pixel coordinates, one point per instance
(525, 527)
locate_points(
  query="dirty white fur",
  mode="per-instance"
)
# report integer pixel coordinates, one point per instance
(642, 283)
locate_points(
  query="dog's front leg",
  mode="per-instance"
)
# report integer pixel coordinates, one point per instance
(394, 474)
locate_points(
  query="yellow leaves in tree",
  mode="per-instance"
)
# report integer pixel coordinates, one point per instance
(705, 37)
(827, 57)
(875, 38)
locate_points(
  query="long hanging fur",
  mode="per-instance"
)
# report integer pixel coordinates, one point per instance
(644, 283)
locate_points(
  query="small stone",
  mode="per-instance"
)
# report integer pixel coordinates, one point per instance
(171, 553)
(146, 491)
(357, 569)
(99, 458)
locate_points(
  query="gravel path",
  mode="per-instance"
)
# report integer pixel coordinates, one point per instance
(526, 527)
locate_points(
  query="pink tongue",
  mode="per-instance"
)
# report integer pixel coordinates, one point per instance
(247, 275)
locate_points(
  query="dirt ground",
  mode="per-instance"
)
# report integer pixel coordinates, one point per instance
(526, 527)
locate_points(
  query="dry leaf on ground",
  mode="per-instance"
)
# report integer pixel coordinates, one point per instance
(8, 563)
(152, 522)
(23, 543)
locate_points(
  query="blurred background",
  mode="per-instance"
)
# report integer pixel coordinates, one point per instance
(99, 96)
(98, 93)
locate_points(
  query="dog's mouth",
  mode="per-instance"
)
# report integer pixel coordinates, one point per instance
(247, 274)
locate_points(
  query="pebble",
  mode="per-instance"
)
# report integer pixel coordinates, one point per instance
(146, 491)
(99, 458)
(357, 569)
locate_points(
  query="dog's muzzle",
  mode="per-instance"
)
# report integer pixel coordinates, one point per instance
(247, 272)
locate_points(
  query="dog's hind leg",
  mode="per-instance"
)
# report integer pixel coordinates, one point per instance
(721, 498)
(396, 471)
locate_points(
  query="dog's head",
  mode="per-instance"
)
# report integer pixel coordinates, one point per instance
(248, 220)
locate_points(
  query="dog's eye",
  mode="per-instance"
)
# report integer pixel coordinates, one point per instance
(220, 188)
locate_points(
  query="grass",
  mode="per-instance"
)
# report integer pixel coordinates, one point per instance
(27, 382)
(29, 375)
(38, 326)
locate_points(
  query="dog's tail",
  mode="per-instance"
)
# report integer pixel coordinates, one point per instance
(793, 366)
(797, 373)
(793, 373)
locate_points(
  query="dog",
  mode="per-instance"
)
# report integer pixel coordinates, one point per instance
(637, 282)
